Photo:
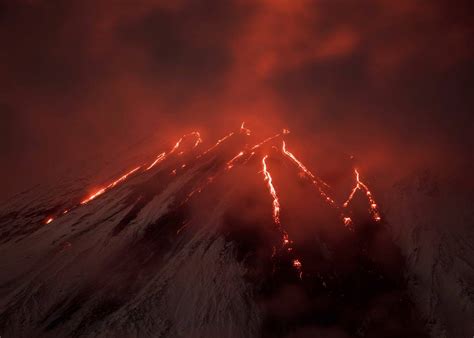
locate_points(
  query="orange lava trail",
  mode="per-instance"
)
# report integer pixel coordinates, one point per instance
(246, 155)
(299, 267)
(301, 165)
(158, 159)
(217, 144)
(244, 130)
(276, 201)
(111, 185)
(249, 157)
(276, 215)
(315, 180)
(231, 163)
(198, 140)
(258, 145)
(194, 133)
(161, 157)
(363, 187)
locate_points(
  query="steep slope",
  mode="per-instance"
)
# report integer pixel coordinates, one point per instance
(224, 241)
(432, 224)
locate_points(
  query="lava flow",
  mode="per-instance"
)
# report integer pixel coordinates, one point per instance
(276, 202)
(247, 153)
(361, 186)
(315, 180)
(230, 164)
(111, 185)
(161, 157)
(318, 182)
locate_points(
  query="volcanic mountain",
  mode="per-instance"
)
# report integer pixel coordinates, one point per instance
(236, 239)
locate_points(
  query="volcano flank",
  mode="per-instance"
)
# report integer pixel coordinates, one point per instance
(235, 239)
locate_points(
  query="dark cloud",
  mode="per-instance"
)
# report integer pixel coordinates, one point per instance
(381, 79)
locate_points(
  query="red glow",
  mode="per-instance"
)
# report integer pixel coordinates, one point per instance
(111, 185)
(372, 204)
(244, 130)
(217, 144)
(158, 159)
(322, 187)
(276, 202)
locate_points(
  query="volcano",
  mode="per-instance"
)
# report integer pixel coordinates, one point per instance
(236, 239)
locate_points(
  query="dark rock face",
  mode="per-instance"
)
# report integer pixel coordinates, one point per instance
(432, 223)
(146, 259)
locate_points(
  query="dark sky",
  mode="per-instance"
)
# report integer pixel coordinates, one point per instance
(389, 81)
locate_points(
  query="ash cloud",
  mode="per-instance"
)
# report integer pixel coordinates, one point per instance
(384, 81)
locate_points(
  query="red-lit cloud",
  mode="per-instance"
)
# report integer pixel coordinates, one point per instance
(385, 81)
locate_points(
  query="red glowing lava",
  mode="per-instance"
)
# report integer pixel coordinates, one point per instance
(361, 186)
(110, 186)
(276, 202)
(246, 154)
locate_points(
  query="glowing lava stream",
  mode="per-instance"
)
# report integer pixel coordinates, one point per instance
(246, 155)
(194, 133)
(244, 130)
(276, 214)
(302, 166)
(231, 163)
(315, 180)
(111, 185)
(361, 186)
(217, 144)
(161, 157)
(276, 202)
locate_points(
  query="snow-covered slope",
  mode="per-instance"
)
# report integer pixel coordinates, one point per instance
(187, 250)
(432, 222)
(118, 267)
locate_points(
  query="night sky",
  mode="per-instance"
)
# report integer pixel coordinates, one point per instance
(390, 81)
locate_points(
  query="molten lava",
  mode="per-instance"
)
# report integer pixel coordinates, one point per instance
(315, 180)
(159, 158)
(247, 153)
(217, 144)
(276, 202)
(110, 186)
(372, 204)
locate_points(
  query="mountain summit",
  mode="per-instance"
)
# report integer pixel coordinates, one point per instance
(236, 239)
